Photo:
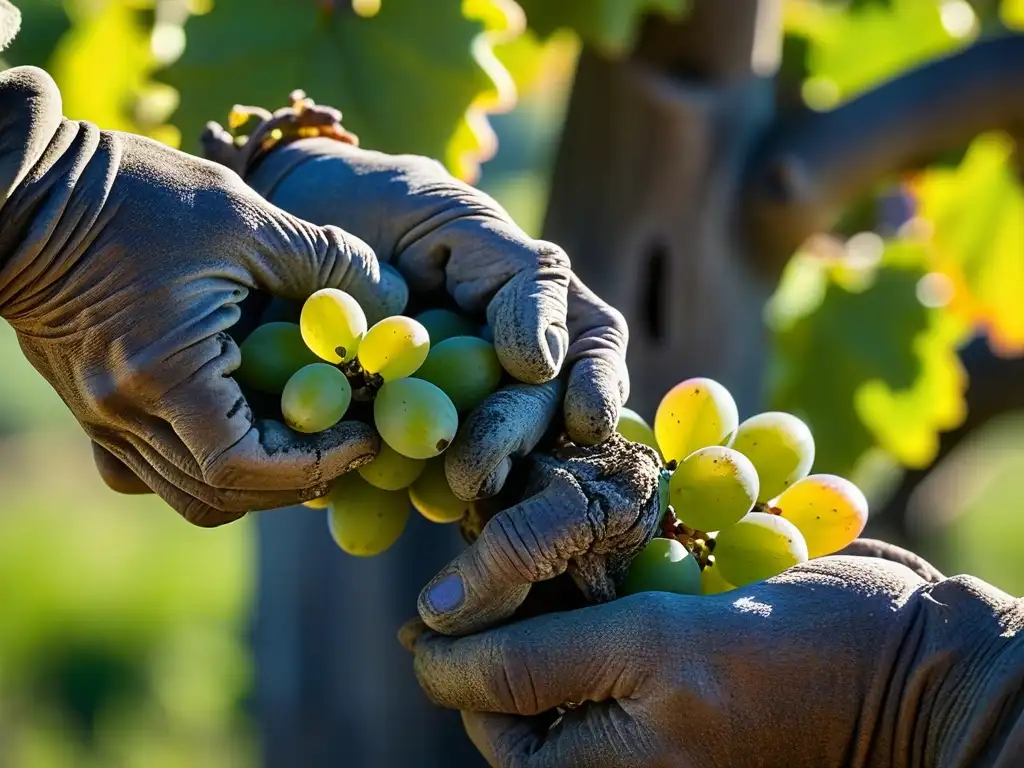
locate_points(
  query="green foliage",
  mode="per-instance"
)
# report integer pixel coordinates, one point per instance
(611, 26)
(43, 22)
(863, 361)
(403, 79)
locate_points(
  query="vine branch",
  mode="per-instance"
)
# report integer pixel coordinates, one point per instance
(813, 165)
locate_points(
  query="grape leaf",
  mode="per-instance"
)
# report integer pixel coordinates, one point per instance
(611, 26)
(43, 22)
(866, 366)
(852, 49)
(404, 79)
(976, 212)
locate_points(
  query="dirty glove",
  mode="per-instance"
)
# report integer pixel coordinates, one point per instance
(842, 661)
(122, 267)
(442, 234)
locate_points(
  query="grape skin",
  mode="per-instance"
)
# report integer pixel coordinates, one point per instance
(271, 355)
(759, 546)
(364, 520)
(694, 414)
(415, 417)
(781, 448)
(332, 323)
(320, 503)
(713, 487)
(390, 470)
(712, 583)
(465, 368)
(394, 348)
(432, 497)
(664, 565)
(633, 427)
(315, 398)
(829, 510)
(444, 324)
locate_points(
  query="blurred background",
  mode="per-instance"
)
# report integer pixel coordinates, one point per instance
(128, 638)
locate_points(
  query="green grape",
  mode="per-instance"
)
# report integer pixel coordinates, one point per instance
(465, 368)
(443, 324)
(830, 512)
(664, 565)
(759, 546)
(365, 520)
(486, 333)
(394, 348)
(415, 418)
(315, 398)
(633, 427)
(332, 323)
(713, 487)
(270, 355)
(390, 470)
(711, 581)
(694, 414)
(780, 447)
(432, 496)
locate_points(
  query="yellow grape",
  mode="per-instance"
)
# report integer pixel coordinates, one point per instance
(780, 447)
(332, 323)
(394, 348)
(432, 496)
(713, 487)
(364, 520)
(633, 427)
(320, 503)
(711, 581)
(694, 414)
(830, 512)
(759, 546)
(390, 470)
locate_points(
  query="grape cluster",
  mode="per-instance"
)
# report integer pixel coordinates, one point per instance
(419, 374)
(743, 505)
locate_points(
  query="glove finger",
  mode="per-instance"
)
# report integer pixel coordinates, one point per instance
(507, 425)
(530, 542)
(532, 666)
(591, 736)
(118, 476)
(232, 449)
(487, 262)
(885, 551)
(598, 380)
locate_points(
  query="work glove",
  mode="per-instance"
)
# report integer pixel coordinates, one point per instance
(447, 237)
(123, 264)
(842, 661)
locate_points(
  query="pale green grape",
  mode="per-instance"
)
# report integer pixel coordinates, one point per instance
(758, 547)
(270, 355)
(465, 368)
(780, 447)
(332, 323)
(664, 565)
(830, 512)
(390, 470)
(394, 348)
(443, 324)
(432, 496)
(315, 398)
(694, 414)
(713, 487)
(711, 581)
(365, 520)
(415, 418)
(633, 427)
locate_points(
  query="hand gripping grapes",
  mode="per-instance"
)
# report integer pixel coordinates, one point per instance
(445, 236)
(122, 267)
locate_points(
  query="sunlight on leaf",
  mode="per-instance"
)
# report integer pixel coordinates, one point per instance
(975, 217)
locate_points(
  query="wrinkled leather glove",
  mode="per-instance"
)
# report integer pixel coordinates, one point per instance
(122, 267)
(442, 234)
(843, 661)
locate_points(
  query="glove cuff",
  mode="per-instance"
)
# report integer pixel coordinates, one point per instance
(302, 119)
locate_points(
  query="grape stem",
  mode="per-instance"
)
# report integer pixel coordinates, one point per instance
(364, 385)
(697, 542)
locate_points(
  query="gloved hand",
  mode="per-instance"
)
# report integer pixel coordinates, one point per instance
(843, 661)
(122, 267)
(442, 234)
